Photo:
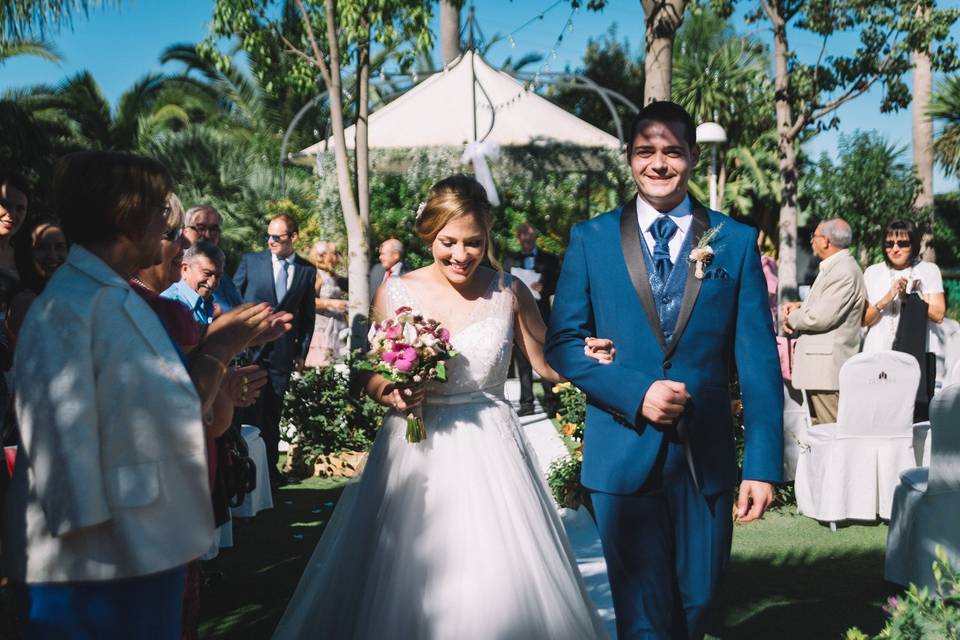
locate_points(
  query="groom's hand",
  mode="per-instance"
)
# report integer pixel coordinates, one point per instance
(755, 496)
(664, 402)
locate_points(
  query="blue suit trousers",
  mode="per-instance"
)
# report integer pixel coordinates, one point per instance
(666, 548)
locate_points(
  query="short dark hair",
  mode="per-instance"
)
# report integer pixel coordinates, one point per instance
(101, 195)
(913, 233)
(16, 181)
(663, 111)
(290, 221)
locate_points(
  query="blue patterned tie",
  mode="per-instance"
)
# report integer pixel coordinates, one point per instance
(662, 230)
(281, 284)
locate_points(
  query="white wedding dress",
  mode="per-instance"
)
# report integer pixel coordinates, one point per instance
(455, 537)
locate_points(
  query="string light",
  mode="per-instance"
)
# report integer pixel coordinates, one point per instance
(545, 67)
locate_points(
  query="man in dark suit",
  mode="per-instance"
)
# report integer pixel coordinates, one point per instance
(285, 280)
(390, 264)
(532, 258)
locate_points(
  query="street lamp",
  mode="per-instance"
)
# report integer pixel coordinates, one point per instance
(713, 134)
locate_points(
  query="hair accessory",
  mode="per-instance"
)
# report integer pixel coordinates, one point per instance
(420, 208)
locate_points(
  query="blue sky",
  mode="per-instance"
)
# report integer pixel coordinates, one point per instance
(120, 45)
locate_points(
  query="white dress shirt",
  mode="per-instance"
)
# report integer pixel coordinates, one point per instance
(277, 261)
(682, 215)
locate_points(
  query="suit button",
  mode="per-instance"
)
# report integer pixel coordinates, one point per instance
(667, 365)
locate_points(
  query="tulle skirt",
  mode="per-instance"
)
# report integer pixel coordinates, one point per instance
(455, 537)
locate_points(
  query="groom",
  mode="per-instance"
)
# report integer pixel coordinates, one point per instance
(659, 453)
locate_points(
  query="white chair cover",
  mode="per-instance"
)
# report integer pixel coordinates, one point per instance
(796, 422)
(849, 470)
(939, 338)
(951, 353)
(926, 504)
(260, 498)
(921, 452)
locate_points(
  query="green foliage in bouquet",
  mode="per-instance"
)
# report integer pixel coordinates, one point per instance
(321, 416)
(920, 615)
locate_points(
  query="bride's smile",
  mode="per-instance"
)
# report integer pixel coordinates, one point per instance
(459, 248)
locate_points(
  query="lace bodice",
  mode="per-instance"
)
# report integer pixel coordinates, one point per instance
(481, 332)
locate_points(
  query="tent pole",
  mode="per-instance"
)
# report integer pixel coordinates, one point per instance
(472, 47)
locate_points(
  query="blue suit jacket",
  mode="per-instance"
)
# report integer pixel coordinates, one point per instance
(254, 280)
(604, 291)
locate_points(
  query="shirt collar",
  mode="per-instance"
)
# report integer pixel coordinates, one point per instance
(285, 260)
(85, 261)
(827, 262)
(681, 214)
(186, 292)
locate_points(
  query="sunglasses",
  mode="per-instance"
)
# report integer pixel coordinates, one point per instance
(202, 228)
(173, 234)
(272, 237)
(903, 244)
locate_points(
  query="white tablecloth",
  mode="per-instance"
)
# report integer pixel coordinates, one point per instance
(260, 498)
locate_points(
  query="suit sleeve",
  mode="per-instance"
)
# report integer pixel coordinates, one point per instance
(617, 389)
(57, 410)
(307, 313)
(758, 366)
(240, 277)
(827, 309)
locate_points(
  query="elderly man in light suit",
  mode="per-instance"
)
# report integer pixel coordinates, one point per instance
(828, 321)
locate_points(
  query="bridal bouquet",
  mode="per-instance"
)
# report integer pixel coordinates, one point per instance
(409, 349)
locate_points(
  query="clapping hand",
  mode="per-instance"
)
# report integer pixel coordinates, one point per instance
(243, 384)
(600, 349)
(898, 288)
(277, 324)
(664, 402)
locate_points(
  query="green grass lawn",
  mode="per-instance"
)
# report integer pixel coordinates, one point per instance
(262, 569)
(790, 577)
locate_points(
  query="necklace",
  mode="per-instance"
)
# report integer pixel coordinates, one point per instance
(143, 284)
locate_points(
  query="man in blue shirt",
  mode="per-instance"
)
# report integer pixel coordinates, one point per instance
(203, 222)
(200, 274)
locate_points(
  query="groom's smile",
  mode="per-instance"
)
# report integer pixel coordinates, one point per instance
(661, 162)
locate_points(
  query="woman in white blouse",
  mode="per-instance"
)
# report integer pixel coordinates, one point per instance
(901, 273)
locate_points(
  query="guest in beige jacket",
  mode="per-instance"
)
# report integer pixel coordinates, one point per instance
(828, 320)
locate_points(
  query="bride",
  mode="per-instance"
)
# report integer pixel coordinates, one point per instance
(455, 537)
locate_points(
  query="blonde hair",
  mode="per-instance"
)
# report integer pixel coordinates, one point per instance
(453, 198)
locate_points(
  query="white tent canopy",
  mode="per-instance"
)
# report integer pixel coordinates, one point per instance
(437, 112)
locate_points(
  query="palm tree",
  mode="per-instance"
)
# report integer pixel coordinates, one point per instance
(945, 111)
(19, 18)
(28, 47)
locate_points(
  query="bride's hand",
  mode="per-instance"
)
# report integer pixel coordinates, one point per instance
(600, 349)
(403, 398)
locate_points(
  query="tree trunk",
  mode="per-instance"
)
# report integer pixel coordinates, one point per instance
(449, 31)
(787, 155)
(359, 259)
(360, 244)
(923, 146)
(663, 18)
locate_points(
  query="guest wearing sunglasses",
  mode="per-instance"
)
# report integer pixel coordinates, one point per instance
(285, 280)
(889, 282)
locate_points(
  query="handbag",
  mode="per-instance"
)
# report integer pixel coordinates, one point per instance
(236, 472)
(911, 337)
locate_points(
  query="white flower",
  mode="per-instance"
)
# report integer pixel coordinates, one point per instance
(372, 334)
(409, 333)
(420, 208)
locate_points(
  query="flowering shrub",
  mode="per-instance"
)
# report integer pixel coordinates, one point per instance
(919, 615)
(563, 478)
(320, 416)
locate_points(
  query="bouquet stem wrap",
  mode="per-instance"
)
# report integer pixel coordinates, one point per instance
(416, 429)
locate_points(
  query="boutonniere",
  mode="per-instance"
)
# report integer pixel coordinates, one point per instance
(702, 254)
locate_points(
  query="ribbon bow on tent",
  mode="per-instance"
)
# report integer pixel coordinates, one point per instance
(478, 153)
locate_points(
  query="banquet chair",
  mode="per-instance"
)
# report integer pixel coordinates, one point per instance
(796, 423)
(926, 503)
(848, 470)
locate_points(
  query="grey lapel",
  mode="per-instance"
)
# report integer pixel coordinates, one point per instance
(633, 256)
(699, 224)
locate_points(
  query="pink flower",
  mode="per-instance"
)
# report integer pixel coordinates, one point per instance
(390, 356)
(409, 354)
(444, 335)
(403, 366)
(394, 331)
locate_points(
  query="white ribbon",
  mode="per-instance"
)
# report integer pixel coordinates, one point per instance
(477, 153)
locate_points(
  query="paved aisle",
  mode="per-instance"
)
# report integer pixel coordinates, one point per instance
(548, 446)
